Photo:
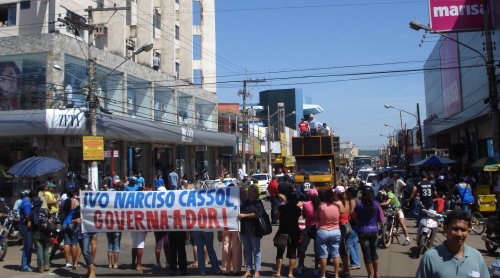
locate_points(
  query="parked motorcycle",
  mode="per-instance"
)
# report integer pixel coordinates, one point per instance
(492, 237)
(390, 228)
(10, 229)
(427, 229)
(3, 247)
(56, 240)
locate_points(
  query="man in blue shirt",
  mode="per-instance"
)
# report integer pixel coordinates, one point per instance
(158, 181)
(173, 180)
(140, 182)
(453, 258)
(25, 227)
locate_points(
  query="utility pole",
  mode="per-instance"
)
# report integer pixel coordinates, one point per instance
(492, 88)
(420, 135)
(244, 129)
(269, 156)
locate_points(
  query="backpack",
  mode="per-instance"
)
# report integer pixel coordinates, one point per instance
(465, 193)
(45, 224)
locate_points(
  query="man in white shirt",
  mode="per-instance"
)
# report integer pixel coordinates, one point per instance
(399, 185)
(326, 130)
(241, 173)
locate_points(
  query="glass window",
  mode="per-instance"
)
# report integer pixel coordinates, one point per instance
(23, 82)
(157, 20)
(25, 5)
(164, 104)
(196, 47)
(8, 14)
(177, 32)
(316, 167)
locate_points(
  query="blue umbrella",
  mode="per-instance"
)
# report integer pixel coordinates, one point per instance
(35, 166)
(434, 160)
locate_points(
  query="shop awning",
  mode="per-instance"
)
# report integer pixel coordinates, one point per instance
(73, 122)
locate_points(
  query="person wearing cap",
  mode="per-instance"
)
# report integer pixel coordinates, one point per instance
(303, 127)
(51, 199)
(245, 182)
(288, 215)
(345, 226)
(453, 257)
(308, 213)
(41, 238)
(25, 226)
(313, 125)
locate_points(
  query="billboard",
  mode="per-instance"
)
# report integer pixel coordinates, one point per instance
(457, 15)
(450, 77)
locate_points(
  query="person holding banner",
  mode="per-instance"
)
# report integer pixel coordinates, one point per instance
(250, 210)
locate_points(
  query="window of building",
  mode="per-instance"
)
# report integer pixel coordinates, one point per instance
(25, 5)
(196, 13)
(157, 20)
(196, 47)
(177, 1)
(177, 70)
(8, 14)
(197, 77)
(177, 32)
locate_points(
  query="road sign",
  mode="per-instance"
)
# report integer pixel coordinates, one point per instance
(93, 148)
(107, 154)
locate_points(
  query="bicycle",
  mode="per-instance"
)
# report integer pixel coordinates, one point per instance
(201, 184)
(478, 223)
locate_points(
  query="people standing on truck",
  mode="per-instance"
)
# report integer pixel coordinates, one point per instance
(303, 127)
(313, 125)
(326, 130)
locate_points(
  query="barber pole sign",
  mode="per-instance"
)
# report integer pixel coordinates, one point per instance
(458, 15)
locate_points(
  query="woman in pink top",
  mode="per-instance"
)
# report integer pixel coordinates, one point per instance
(328, 236)
(308, 212)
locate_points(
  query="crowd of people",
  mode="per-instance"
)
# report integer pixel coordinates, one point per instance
(334, 220)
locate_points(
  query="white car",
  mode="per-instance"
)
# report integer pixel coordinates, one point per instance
(263, 180)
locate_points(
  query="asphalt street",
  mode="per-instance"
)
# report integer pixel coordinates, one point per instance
(396, 261)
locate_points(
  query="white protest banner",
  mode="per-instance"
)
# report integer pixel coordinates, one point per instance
(214, 209)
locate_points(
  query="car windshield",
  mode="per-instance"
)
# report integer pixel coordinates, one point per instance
(370, 179)
(260, 177)
(313, 167)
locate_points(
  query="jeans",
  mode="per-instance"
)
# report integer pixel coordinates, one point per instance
(42, 241)
(114, 240)
(352, 244)
(368, 242)
(466, 207)
(206, 239)
(251, 245)
(328, 243)
(274, 208)
(85, 246)
(27, 246)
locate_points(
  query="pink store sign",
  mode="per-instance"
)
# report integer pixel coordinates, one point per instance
(457, 15)
(450, 77)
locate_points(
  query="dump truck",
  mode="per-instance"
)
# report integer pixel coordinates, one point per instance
(319, 158)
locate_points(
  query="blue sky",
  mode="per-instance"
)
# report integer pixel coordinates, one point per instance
(341, 53)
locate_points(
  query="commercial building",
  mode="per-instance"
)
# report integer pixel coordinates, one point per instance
(457, 122)
(169, 113)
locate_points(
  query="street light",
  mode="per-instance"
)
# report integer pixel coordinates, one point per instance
(387, 106)
(490, 71)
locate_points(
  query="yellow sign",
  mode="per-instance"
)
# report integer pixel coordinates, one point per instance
(93, 148)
